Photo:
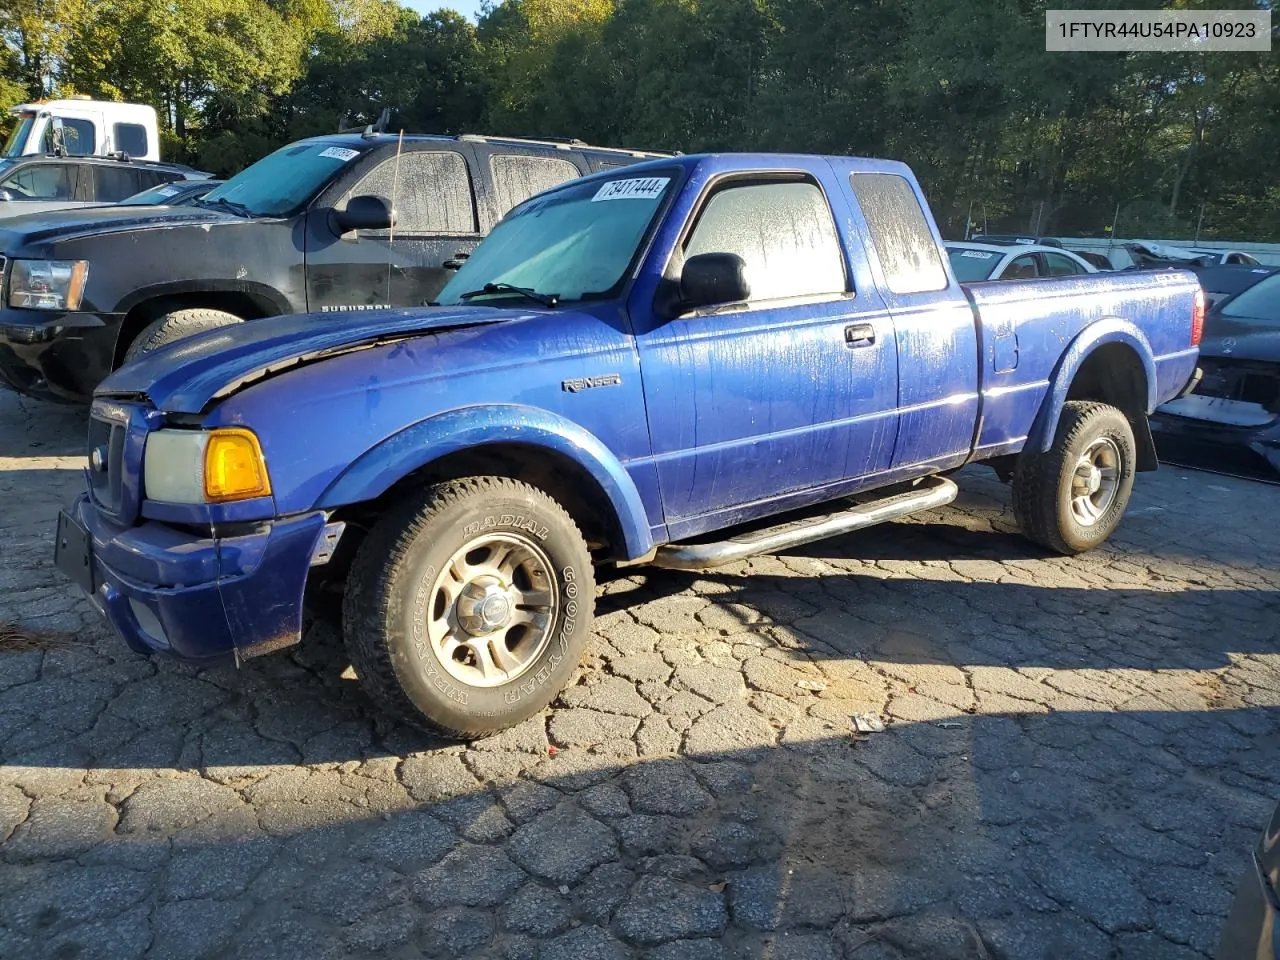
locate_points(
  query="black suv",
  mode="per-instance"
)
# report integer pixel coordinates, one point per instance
(326, 225)
(42, 183)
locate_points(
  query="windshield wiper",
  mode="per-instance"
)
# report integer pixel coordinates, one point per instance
(236, 208)
(546, 299)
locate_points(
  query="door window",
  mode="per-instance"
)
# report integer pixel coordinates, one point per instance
(42, 181)
(517, 177)
(1021, 268)
(77, 137)
(116, 183)
(131, 138)
(431, 193)
(1060, 266)
(899, 232)
(784, 233)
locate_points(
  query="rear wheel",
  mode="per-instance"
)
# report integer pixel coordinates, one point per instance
(1071, 498)
(466, 609)
(176, 325)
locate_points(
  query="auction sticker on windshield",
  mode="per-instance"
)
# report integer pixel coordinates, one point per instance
(339, 153)
(647, 188)
(977, 254)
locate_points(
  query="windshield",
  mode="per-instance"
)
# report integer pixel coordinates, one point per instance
(575, 242)
(1260, 304)
(18, 138)
(281, 182)
(156, 196)
(970, 264)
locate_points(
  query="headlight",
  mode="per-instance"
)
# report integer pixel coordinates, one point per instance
(47, 284)
(197, 466)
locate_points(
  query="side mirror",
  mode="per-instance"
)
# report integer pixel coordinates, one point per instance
(713, 278)
(5, 195)
(366, 213)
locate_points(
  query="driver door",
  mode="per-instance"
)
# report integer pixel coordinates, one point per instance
(431, 191)
(789, 393)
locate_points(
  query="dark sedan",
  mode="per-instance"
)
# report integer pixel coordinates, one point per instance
(1252, 931)
(1231, 422)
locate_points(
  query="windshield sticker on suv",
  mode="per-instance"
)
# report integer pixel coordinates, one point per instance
(339, 153)
(167, 191)
(648, 188)
(977, 255)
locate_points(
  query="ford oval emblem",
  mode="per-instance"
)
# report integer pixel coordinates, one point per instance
(98, 459)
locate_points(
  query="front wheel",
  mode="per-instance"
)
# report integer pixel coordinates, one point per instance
(466, 609)
(177, 325)
(1071, 498)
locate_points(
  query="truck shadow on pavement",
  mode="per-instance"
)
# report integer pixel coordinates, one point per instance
(699, 792)
(263, 833)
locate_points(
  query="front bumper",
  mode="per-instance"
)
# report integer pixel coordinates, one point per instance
(57, 356)
(195, 598)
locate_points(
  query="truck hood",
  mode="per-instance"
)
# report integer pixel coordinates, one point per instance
(31, 229)
(1237, 338)
(185, 376)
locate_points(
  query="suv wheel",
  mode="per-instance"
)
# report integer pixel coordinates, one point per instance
(175, 325)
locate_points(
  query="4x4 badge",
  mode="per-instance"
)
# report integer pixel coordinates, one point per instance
(587, 383)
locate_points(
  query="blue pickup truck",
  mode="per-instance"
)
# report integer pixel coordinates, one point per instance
(642, 366)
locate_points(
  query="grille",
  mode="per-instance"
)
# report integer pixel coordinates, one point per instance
(106, 437)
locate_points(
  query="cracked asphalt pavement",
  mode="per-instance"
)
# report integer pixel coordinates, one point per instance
(1078, 755)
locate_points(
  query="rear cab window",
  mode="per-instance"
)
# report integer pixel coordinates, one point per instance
(517, 177)
(899, 233)
(784, 232)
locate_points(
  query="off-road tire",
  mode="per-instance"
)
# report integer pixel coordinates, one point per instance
(1042, 482)
(176, 325)
(390, 585)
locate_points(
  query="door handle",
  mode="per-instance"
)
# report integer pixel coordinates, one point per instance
(456, 262)
(859, 334)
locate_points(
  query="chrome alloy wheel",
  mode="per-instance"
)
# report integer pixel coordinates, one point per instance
(1095, 481)
(492, 609)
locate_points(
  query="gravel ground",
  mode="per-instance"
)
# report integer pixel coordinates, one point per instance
(1078, 755)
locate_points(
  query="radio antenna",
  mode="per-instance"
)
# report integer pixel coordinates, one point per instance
(391, 231)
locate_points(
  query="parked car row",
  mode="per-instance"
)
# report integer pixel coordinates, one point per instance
(1232, 419)
(330, 225)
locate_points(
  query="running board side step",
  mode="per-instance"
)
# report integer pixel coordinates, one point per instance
(932, 492)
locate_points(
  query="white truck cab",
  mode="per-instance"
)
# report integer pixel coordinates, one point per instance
(85, 128)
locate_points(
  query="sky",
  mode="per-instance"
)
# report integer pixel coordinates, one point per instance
(469, 8)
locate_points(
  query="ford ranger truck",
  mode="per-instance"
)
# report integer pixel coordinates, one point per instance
(645, 365)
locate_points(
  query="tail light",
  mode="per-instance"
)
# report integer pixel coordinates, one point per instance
(1197, 319)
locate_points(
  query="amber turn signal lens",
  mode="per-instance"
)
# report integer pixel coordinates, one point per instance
(234, 468)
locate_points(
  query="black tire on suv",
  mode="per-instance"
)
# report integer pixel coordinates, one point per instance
(175, 325)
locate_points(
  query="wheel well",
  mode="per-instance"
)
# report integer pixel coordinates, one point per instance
(1113, 374)
(561, 478)
(243, 305)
